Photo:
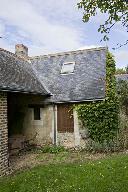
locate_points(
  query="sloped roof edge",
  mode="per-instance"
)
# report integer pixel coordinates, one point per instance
(10, 79)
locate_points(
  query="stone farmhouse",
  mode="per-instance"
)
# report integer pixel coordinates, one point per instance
(37, 95)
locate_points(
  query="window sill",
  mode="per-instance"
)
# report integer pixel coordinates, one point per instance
(37, 122)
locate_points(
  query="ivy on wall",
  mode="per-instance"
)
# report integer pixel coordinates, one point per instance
(101, 117)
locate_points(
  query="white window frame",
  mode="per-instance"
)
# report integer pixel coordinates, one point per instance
(66, 63)
(37, 122)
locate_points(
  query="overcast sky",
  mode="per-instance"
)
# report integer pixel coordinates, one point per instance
(49, 26)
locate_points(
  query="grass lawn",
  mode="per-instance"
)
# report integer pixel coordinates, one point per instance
(103, 175)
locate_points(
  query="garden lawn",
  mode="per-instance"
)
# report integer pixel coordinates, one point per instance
(104, 175)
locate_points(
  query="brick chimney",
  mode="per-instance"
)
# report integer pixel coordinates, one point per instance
(21, 50)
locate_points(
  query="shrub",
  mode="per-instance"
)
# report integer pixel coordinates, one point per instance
(93, 146)
(52, 149)
(122, 91)
(123, 130)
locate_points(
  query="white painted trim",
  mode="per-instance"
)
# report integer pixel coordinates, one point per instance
(37, 122)
(56, 124)
(68, 72)
(76, 128)
(52, 134)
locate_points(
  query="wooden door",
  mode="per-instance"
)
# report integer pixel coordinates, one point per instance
(65, 120)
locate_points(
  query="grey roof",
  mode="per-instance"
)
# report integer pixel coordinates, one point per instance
(122, 77)
(17, 74)
(86, 83)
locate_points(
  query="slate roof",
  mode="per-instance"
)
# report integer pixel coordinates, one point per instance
(86, 83)
(122, 77)
(17, 74)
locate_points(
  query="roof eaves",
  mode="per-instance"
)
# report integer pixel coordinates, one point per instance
(8, 89)
(79, 101)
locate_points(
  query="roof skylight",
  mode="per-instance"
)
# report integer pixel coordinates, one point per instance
(68, 67)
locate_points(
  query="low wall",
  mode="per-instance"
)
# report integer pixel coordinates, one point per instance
(3, 135)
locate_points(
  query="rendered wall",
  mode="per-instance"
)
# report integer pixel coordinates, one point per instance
(39, 132)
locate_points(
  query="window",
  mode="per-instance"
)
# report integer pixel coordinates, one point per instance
(68, 67)
(37, 113)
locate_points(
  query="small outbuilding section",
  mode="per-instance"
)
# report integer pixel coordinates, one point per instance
(72, 77)
(37, 95)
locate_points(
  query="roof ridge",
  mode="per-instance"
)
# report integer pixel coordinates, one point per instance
(67, 52)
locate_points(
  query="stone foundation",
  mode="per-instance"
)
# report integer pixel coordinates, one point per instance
(66, 139)
(3, 135)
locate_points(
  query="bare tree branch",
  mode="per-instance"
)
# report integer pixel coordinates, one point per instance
(120, 45)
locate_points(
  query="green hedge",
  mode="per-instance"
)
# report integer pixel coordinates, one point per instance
(101, 117)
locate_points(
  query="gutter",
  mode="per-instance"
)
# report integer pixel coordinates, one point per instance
(80, 101)
(75, 101)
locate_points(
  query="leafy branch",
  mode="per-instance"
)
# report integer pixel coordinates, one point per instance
(117, 11)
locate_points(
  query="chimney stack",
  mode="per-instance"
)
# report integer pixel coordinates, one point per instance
(21, 50)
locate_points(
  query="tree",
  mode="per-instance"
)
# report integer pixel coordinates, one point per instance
(117, 11)
(120, 71)
(127, 69)
(122, 91)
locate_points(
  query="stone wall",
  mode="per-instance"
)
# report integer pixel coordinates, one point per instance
(3, 134)
(36, 131)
